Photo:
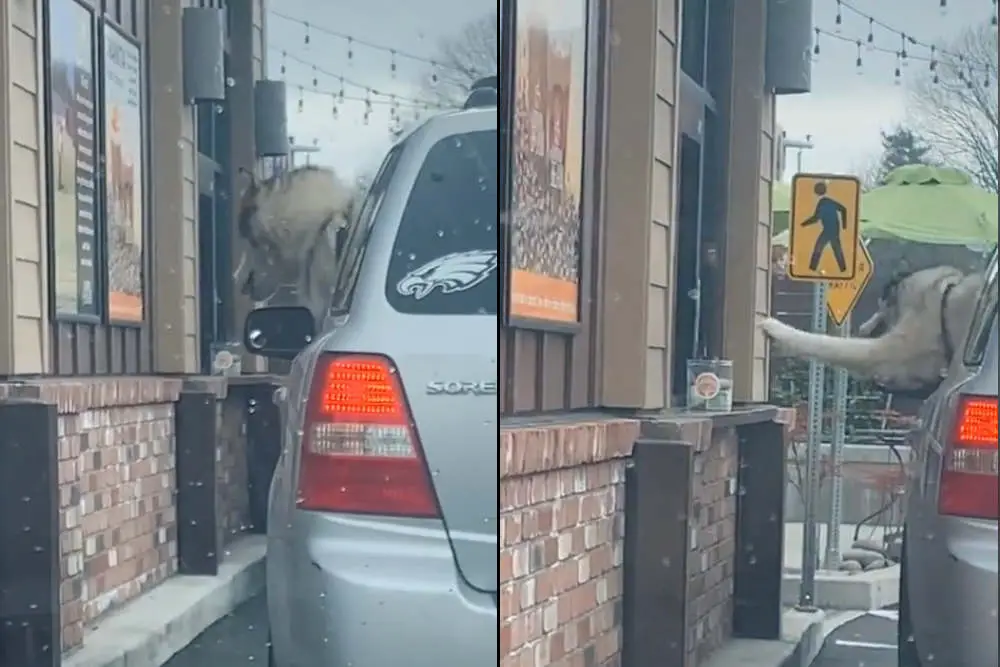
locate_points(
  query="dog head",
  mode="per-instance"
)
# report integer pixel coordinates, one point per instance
(909, 293)
(282, 220)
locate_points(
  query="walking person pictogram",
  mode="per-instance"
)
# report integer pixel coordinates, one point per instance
(832, 215)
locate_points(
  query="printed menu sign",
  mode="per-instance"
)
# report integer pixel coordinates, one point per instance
(72, 103)
(123, 175)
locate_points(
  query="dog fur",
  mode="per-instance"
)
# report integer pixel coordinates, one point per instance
(904, 347)
(290, 224)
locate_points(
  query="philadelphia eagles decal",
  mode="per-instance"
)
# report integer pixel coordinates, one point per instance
(457, 272)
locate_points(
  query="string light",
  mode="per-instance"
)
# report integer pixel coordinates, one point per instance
(342, 80)
(907, 40)
(966, 72)
(352, 42)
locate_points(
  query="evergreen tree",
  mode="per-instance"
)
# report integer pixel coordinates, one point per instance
(901, 147)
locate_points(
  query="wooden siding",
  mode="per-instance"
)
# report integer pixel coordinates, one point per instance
(25, 348)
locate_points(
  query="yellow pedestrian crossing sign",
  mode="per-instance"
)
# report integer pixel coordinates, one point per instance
(842, 296)
(824, 229)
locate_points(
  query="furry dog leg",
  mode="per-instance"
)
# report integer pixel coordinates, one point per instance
(874, 358)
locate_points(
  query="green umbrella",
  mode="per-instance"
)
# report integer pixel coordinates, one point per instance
(935, 205)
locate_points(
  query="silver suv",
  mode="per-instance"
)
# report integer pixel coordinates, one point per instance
(948, 583)
(382, 537)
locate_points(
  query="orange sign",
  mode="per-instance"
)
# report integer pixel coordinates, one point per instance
(823, 229)
(547, 145)
(842, 296)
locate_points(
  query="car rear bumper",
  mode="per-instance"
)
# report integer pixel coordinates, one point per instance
(973, 623)
(360, 592)
(958, 618)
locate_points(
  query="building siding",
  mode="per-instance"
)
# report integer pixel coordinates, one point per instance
(25, 228)
(660, 297)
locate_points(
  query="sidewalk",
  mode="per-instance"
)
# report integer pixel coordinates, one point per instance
(156, 626)
(843, 591)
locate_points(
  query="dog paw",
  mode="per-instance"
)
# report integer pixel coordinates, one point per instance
(769, 326)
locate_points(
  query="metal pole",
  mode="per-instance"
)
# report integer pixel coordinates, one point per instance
(832, 559)
(812, 487)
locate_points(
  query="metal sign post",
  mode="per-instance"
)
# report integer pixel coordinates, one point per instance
(823, 248)
(814, 444)
(841, 299)
(831, 561)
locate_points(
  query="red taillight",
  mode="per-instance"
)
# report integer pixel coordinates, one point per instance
(969, 486)
(360, 453)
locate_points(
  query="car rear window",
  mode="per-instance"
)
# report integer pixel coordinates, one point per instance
(445, 257)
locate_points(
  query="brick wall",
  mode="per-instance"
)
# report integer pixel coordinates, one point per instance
(231, 469)
(116, 492)
(561, 527)
(713, 542)
(117, 486)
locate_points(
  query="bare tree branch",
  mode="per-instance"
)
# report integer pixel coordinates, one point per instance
(464, 59)
(956, 109)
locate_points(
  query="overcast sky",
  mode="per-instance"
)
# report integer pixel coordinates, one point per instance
(846, 110)
(844, 113)
(415, 30)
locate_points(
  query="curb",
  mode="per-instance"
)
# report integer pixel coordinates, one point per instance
(813, 636)
(843, 591)
(805, 650)
(154, 627)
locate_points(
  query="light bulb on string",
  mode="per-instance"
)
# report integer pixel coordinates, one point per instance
(340, 92)
(839, 21)
(306, 39)
(368, 106)
(903, 55)
(350, 51)
(943, 7)
(898, 72)
(393, 67)
(315, 78)
(302, 99)
(334, 108)
(932, 62)
(993, 15)
(816, 49)
(283, 70)
(434, 74)
(871, 35)
(859, 64)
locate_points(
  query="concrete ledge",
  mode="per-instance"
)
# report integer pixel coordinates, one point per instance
(876, 589)
(150, 630)
(801, 638)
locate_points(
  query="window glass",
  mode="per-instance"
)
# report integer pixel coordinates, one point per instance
(444, 261)
(351, 245)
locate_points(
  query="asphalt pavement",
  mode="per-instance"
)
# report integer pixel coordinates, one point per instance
(236, 640)
(867, 641)
(241, 639)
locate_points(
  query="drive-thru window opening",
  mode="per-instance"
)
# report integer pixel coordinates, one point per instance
(701, 212)
(215, 208)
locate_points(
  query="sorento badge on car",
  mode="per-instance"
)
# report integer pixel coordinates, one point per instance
(459, 388)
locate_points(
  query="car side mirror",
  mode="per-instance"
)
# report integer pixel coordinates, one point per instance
(278, 332)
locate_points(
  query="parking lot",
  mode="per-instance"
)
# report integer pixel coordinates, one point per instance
(867, 641)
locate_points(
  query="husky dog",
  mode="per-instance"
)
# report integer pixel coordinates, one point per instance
(290, 223)
(909, 344)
